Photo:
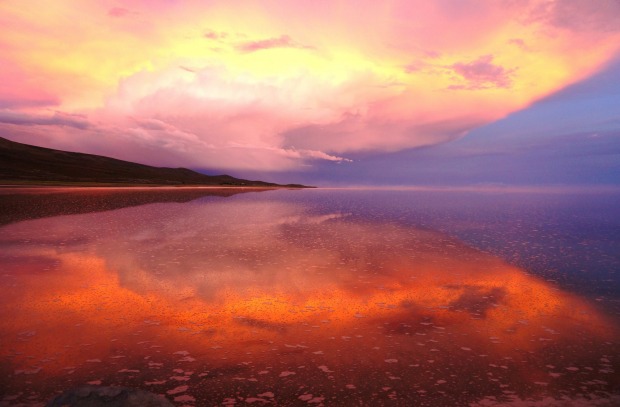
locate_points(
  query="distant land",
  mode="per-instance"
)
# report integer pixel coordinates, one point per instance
(23, 164)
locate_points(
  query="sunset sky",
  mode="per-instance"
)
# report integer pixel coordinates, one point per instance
(396, 92)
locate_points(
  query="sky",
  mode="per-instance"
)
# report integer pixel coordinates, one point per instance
(334, 93)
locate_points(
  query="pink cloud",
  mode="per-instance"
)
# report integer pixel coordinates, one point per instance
(192, 121)
(118, 12)
(17, 102)
(482, 74)
(518, 42)
(584, 16)
(374, 134)
(18, 89)
(283, 41)
(215, 35)
(57, 119)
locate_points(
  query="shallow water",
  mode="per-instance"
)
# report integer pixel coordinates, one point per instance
(334, 297)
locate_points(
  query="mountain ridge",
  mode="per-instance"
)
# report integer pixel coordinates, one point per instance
(25, 164)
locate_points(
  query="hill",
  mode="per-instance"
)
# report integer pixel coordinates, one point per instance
(23, 164)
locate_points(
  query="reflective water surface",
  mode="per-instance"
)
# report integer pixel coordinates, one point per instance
(310, 297)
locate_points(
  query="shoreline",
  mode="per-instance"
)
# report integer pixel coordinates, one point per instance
(146, 186)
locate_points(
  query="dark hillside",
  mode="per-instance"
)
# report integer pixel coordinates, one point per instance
(30, 165)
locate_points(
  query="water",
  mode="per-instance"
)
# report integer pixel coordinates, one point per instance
(317, 297)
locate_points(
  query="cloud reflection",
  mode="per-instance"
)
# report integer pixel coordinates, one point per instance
(239, 298)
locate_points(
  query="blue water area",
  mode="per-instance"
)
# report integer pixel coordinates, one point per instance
(572, 238)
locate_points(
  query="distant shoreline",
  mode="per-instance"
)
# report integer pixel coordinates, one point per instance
(145, 186)
(33, 188)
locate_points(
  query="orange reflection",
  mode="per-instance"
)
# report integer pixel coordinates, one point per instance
(166, 295)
